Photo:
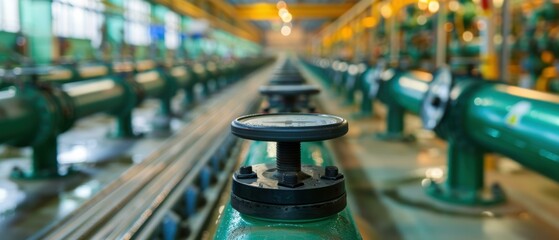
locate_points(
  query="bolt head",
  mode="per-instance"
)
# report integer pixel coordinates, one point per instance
(331, 171)
(245, 170)
(290, 178)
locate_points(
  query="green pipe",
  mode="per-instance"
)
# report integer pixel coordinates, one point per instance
(31, 116)
(151, 82)
(93, 96)
(178, 77)
(233, 225)
(18, 117)
(62, 75)
(519, 123)
(34, 117)
(401, 92)
(368, 82)
(409, 88)
(212, 74)
(485, 117)
(201, 76)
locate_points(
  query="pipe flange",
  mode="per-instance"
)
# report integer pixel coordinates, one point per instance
(317, 185)
(375, 76)
(317, 193)
(48, 110)
(289, 212)
(134, 90)
(437, 98)
(66, 109)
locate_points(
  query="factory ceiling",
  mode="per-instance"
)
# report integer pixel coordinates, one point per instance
(308, 14)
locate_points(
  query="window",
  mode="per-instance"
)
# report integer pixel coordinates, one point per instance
(82, 19)
(9, 15)
(172, 29)
(137, 16)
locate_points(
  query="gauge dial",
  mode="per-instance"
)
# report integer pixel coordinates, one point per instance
(292, 127)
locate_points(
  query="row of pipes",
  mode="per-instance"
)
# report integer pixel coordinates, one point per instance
(474, 115)
(38, 104)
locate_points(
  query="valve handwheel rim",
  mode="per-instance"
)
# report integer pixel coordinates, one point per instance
(289, 127)
(289, 90)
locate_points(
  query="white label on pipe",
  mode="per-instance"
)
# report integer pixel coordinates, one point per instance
(517, 112)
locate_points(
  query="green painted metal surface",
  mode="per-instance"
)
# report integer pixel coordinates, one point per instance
(94, 96)
(488, 117)
(233, 225)
(18, 117)
(152, 83)
(409, 88)
(402, 92)
(519, 123)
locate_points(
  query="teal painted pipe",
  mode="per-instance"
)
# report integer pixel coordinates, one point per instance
(519, 123)
(31, 116)
(409, 88)
(34, 117)
(151, 82)
(233, 225)
(18, 117)
(211, 75)
(179, 77)
(481, 117)
(401, 92)
(93, 96)
(62, 75)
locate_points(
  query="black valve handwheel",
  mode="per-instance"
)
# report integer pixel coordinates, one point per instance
(289, 127)
(289, 90)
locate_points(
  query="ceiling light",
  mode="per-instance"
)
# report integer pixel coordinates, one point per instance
(285, 31)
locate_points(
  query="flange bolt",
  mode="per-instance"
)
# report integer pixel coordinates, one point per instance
(289, 179)
(245, 170)
(332, 173)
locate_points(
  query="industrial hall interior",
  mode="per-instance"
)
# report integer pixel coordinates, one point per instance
(279, 119)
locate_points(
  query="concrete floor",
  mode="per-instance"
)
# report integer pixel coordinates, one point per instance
(388, 199)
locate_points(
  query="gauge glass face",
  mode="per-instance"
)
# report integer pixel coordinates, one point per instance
(291, 120)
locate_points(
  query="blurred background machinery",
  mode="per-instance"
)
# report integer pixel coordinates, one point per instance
(248, 119)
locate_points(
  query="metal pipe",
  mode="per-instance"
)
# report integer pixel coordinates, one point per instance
(151, 82)
(401, 92)
(478, 117)
(519, 123)
(95, 96)
(17, 117)
(409, 88)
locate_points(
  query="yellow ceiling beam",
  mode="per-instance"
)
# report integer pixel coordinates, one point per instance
(189, 9)
(232, 12)
(269, 11)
